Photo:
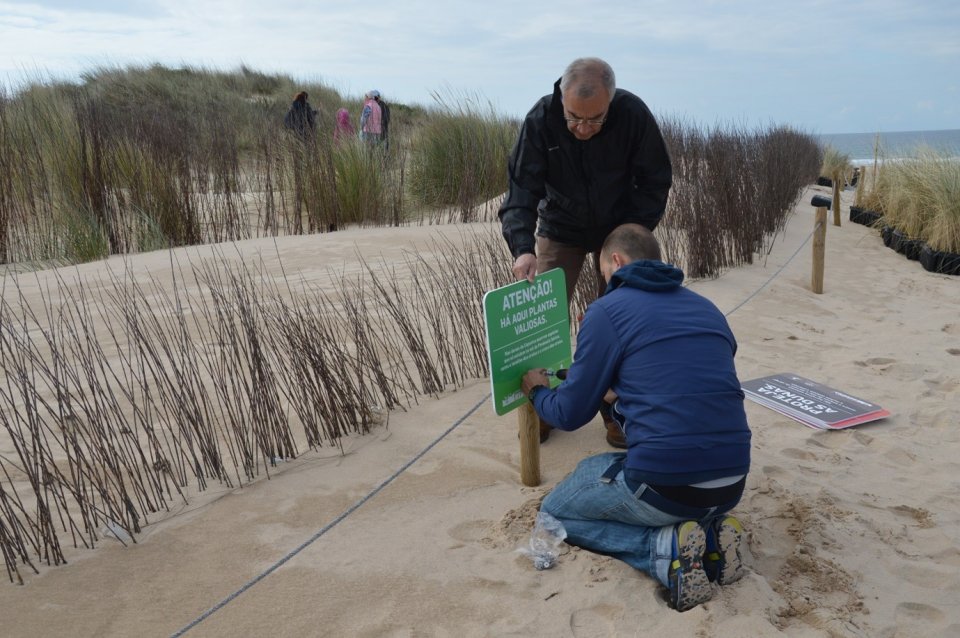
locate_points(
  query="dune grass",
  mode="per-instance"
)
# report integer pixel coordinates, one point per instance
(941, 198)
(138, 158)
(835, 165)
(458, 159)
(193, 155)
(920, 196)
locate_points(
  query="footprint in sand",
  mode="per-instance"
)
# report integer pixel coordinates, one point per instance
(952, 329)
(924, 576)
(801, 455)
(773, 471)
(900, 456)
(923, 517)
(595, 622)
(911, 617)
(862, 439)
(470, 531)
(942, 384)
(875, 362)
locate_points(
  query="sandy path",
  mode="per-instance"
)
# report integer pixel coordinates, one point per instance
(852, 533)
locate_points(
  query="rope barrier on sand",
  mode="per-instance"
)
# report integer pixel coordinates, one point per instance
(326, 528)
(774, 275)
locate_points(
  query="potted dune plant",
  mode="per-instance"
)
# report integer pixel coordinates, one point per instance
(834, 167)
(902, 212)
(866, 205)
(941, 230)
(837, 166)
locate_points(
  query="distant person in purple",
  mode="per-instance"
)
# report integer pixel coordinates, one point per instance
(344, 130)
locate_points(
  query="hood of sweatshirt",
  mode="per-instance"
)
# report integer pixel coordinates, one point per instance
(647, 274)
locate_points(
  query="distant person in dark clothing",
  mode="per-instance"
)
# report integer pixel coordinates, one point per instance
(589, 157)
(301, 118)
(301, 121)
(384, 118)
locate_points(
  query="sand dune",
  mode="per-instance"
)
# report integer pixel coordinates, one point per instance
(850, 533)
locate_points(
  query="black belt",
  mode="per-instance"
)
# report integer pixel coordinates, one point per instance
(679, 500)
(696, 496)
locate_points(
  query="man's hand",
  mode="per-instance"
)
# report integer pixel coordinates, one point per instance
(535, 377)
(525, 267)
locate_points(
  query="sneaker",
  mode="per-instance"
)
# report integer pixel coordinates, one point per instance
(689, 585)
(723, 562)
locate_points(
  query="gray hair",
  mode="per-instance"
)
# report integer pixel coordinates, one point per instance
(586, 76)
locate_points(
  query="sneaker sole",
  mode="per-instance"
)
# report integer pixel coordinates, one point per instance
(729, 535)
(689, 585)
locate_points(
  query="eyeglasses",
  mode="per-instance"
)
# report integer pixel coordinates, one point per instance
(576, 121)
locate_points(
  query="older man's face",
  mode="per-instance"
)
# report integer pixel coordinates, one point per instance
(585, 116)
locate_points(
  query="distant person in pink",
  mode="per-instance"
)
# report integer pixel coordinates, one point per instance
(344, 129)
(371, 119)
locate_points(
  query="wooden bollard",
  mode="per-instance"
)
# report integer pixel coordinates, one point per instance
(819, 246)
(529, 445)
(836, 198)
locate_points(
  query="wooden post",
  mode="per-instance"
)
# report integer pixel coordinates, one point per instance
(836, 197)
(819, 244)
(529, 445)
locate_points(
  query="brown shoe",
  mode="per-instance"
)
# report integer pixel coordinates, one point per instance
(544, 430)
(615, 435)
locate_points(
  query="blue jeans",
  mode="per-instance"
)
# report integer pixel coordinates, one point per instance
(609, 518)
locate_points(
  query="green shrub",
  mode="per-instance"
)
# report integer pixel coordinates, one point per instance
(361, 182)
(459, 157)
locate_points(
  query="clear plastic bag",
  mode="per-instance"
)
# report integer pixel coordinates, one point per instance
(545, 541)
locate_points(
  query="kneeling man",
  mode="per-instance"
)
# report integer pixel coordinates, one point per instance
(663, 355)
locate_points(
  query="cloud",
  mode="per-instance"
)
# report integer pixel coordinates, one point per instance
(708, 58)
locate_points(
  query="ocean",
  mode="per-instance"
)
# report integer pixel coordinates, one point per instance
(893, 145)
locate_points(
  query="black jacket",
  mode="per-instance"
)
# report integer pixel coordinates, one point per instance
(300, 118)
(583, 190)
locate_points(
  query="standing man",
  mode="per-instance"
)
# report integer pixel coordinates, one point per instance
(589, 158)
(384, 118)
(666, 354)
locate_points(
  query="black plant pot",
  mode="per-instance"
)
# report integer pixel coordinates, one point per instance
(939, 261)
(870, 217)
(911, 248)
(887, 234)
(896, 241)
(903, 244)
(862, 216)
(824, 181)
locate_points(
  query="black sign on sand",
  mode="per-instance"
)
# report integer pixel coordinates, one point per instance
(811, 403)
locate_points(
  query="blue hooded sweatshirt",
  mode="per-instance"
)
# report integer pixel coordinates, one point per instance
(667, 353)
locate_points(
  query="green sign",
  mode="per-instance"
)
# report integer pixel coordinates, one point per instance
(528, 326)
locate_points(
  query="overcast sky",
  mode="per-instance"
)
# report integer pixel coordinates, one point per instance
(827, 67)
